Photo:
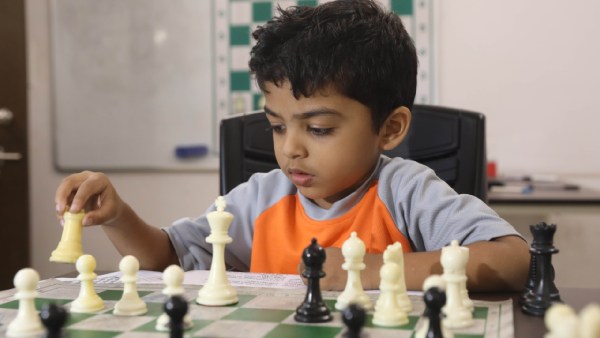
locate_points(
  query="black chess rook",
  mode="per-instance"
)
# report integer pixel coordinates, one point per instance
(313, 309)
(540, 291)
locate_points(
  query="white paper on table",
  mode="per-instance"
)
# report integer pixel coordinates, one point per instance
(199, 277)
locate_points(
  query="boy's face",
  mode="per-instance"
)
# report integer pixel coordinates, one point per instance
(325, 143)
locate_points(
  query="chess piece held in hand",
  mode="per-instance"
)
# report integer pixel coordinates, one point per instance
(218, 291)
(69, 247)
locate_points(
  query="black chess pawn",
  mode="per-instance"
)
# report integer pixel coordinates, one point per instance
(541, 292)
(434, 299)
(54, 318)
(313, 309)
(354, 318)
(176, 308)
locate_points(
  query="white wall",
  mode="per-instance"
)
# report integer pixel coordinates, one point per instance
(530, 66)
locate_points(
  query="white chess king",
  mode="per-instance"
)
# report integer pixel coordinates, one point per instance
(218, 291)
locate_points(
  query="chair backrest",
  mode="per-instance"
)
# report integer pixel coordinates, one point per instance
(449, 141)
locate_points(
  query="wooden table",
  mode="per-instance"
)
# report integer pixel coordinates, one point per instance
(527, 326)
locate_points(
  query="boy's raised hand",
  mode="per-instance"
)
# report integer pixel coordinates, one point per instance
(92, 192)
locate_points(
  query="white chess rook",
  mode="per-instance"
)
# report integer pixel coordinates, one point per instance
(130, 303)
(69, 247)
(218, 291)
(88, 300)
(27, 323)
(454, 261)
(353, 250)
(173, 279)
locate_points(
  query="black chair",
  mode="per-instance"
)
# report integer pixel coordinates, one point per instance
(450, 141)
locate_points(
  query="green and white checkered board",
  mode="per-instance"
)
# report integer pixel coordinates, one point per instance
(259, 313)
(234, 21)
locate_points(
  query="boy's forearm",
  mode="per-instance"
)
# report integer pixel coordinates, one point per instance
(500, 264)
(149, 244)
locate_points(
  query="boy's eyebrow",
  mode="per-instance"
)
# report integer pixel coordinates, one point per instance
(306, 115)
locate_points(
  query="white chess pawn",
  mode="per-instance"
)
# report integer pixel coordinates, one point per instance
(589, 321)
(353, 251)
(173, 279)
(27, 323)
(69, 247)
(88, 300)
(454, 261)
(218, 291)
(393, 253)
(387, 310)
(561, 321)
(130, 303)
(423, 325)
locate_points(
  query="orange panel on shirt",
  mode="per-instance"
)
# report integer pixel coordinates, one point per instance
(283, 231)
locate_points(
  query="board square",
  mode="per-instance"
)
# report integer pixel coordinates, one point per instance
(263, 315)
(303, 331)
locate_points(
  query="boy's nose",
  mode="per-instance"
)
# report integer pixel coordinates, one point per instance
(293, 147)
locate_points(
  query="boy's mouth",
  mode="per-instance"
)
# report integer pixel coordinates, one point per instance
(300, 178)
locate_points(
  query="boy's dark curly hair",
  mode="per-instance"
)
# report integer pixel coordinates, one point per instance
(356, 46)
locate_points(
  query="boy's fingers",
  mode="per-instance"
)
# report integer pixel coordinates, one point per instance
(67, 189)
(92, 186)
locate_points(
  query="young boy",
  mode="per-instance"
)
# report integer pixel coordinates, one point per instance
(339, 81)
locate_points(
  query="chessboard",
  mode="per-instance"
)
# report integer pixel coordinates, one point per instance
(260, 312)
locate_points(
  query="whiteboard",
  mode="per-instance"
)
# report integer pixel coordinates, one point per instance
(132, 82)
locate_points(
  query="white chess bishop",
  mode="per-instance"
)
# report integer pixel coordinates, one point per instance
(27, 323)
(457, 311)
(130, 303)
(353, 251)
(218, 291)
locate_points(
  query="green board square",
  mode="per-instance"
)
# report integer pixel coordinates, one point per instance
(117, 294)
(39, 302)
(240, 81)
(239, 35)
(260, 315)
(303, 331)
(309, 3)
(480, 312)
(402, 7)
(262, 11)
(92, 333)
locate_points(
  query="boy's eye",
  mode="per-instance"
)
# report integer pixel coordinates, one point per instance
(320, 131)
(277, 128)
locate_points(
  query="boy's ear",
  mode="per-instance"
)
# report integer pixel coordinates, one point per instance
(395, 128)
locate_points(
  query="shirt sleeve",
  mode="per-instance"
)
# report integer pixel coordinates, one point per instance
(431, 214)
